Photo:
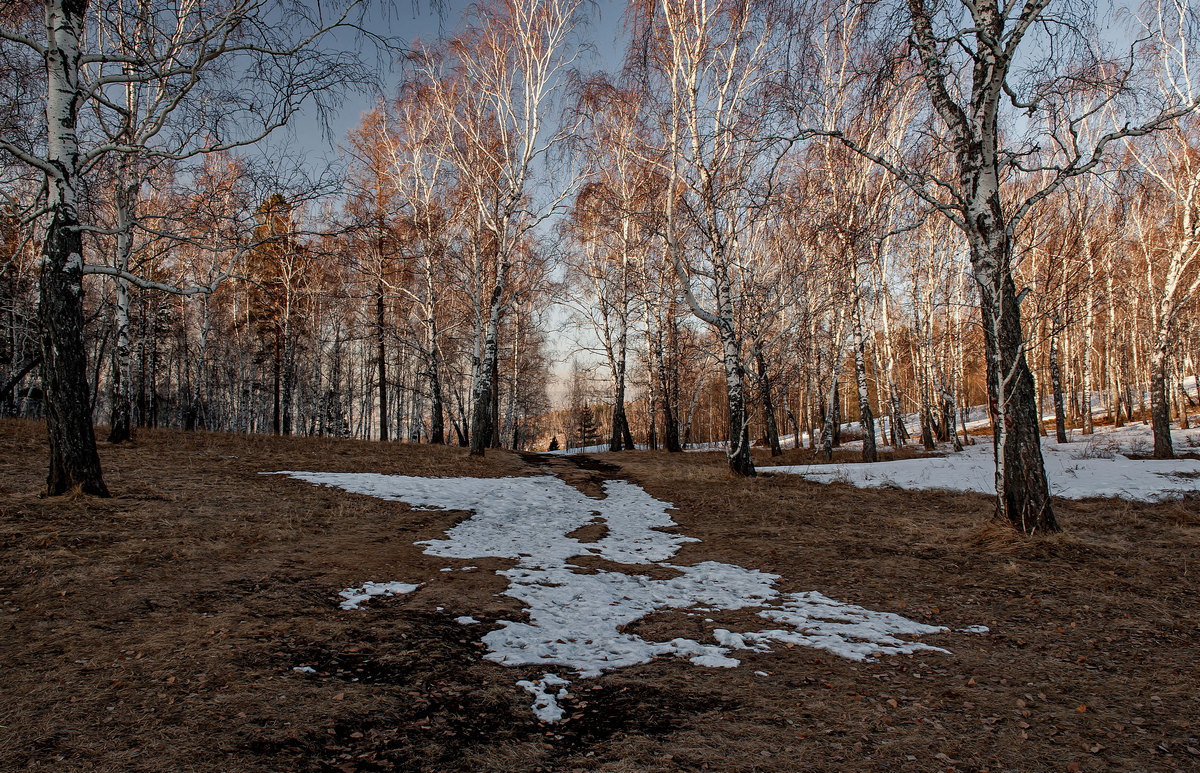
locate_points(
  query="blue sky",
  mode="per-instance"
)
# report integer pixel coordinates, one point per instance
(410, 21)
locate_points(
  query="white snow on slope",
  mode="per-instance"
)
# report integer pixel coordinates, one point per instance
(1095, 466)
(575, 616)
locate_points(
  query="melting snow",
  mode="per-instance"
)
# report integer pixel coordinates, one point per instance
(545, 698)
(1092, 466)
(575, 616)
(466, 620)
(353, 597)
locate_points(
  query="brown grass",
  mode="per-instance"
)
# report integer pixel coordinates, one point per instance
(158, 630)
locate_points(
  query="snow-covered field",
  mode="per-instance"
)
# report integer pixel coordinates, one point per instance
(1089, 466)
(574, 616)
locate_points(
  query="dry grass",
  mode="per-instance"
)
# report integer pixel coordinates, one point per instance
(158, 630)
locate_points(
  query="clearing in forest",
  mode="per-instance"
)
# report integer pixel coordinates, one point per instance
(195, 621)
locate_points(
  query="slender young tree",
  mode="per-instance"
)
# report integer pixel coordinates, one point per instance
(710, 74)
(494, 87)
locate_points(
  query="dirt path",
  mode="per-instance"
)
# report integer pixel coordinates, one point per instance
(584, 472)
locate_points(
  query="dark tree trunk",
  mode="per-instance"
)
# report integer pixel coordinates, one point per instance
(740, 461)
(1060, 415)
(288, 379)
(482, 416)
(381, 358)
(143, 400)
(836, 435)
(620, 430)
(1024, 496)
(1160, 410)
(626, 434)
(152, 416)
(481, 413)
(670, 427)
(120, 430)
(437, 425)
(926, 429)
(943, 420)
(73, 458)
(667, 379)
(74, 461)
(277, 382)
(764, 388)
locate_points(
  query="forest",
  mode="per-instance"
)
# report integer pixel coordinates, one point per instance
(552, 385)
(769, 216)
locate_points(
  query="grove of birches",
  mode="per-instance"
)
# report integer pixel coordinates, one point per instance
(761, 220)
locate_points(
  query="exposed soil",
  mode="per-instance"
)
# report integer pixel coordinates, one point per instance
(159, 630)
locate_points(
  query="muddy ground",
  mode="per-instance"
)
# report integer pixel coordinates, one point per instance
(158, 630)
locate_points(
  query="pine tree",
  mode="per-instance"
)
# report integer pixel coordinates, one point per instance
(586, 432)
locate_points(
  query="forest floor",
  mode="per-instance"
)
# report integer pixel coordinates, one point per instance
(161, 629)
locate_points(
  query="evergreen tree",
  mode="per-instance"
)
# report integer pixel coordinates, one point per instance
(586, 432)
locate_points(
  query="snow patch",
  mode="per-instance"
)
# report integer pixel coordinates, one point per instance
(353, 597)
(545, 698)
(1093, 466)
(576, 618)
(466, 620)
(847, 630)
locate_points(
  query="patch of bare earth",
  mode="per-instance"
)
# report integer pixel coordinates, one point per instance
(158, 630)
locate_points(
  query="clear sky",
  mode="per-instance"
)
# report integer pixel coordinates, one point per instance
(419, 19)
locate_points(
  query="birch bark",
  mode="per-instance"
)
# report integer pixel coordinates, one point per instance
(73, 458)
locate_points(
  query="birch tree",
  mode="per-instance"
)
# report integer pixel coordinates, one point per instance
(429, 219)
(717, 64)
(242, 46)
(977, 62)
(1165, 213)
(610, 219)
(494, 86)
